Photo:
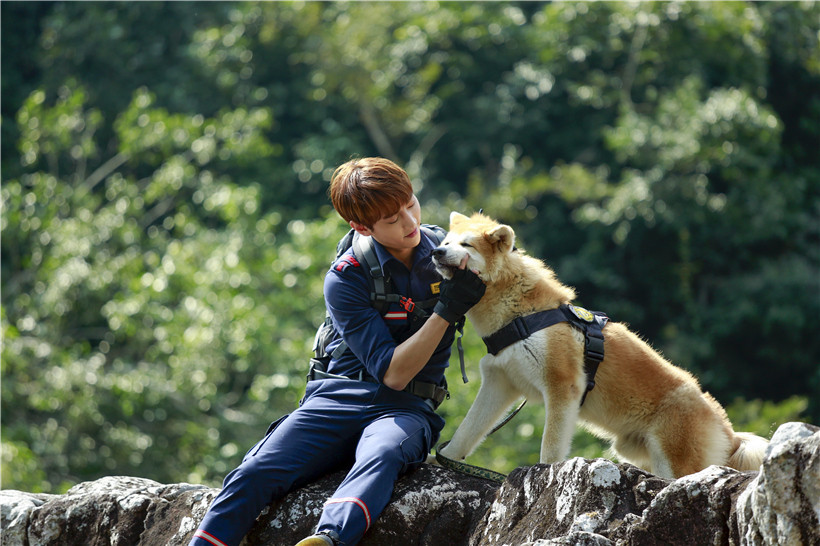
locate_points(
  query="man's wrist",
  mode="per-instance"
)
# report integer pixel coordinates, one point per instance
(446, 313)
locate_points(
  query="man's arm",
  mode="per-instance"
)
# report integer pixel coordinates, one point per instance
(457, 296)
(412, 354)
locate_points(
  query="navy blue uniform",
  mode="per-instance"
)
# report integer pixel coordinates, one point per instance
(383, 432)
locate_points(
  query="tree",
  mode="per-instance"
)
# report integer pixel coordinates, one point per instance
(165, 226)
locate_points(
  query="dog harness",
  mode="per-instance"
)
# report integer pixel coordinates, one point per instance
(591, 323)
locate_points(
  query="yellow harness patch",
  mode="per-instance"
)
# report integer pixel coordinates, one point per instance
(581, 313)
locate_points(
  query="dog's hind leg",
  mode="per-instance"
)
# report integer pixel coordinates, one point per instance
(689, 433)
(495, 396)
(632, 449)
(659, 455)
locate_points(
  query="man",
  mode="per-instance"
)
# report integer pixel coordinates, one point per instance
(360, 410)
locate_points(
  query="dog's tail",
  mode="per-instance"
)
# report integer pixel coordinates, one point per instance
(748, 454)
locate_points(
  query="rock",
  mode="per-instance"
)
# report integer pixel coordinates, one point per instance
(585, 500)
(598, 502)
(430, 505)
(695, 509)
(15, 509)
(576, 502)
(782, 504)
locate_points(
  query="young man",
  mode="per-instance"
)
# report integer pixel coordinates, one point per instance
(371, 407)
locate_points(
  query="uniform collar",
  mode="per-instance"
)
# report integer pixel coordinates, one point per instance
(423, 250)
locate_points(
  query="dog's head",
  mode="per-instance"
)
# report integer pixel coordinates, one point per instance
(477, 242)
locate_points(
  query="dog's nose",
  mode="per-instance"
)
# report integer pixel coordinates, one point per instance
(439, 251)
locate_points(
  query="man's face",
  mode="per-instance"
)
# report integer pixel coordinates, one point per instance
(398, 232)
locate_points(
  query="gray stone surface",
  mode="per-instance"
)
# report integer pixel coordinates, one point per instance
(576, 502)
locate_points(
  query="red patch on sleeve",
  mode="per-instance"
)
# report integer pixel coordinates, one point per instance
(346, 262)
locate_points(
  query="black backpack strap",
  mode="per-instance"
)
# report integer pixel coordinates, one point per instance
(434, 232)
(363, 248)
(345, 243)
(380, 294)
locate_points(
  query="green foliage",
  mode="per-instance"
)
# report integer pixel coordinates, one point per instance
(762, 417)
(165, 226)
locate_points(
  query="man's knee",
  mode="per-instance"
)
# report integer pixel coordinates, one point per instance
(402, 454)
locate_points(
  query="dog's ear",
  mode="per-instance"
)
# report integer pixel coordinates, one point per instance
(456, 217)
(503, 237)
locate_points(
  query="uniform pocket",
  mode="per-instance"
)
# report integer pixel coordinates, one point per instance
(414, 449)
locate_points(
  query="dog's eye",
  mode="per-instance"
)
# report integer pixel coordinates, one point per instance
(467, 245)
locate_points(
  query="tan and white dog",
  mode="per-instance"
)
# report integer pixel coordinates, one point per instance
(655, 414)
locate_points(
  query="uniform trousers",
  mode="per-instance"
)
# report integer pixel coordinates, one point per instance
(382, 431)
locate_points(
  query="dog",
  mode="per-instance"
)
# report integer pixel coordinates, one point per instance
(655, 415)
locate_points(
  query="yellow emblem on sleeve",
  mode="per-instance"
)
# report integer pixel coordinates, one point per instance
(434, 287)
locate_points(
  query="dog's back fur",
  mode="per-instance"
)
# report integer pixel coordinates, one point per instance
(655, 414)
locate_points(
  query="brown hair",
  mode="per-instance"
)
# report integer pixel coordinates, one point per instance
(368, 189)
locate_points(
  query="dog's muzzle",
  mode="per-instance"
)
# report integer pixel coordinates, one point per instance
(439, 260)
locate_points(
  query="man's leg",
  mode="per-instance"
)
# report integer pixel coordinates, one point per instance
(388, 446)
(304, 446)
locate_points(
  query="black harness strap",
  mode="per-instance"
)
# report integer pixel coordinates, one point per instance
(591, 323)
(521, 328)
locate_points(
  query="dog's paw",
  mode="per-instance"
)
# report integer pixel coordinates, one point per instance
(451, 454)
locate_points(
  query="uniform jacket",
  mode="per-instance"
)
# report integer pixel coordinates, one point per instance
(371, 337)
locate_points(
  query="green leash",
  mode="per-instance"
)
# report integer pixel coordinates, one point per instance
(465, 468)
(472, 470)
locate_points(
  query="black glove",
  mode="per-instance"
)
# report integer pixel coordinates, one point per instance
(458, 295)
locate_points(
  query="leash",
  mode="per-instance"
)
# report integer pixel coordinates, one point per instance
(465, 468)
(473, 470)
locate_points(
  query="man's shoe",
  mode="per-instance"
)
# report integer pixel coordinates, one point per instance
(316, 540)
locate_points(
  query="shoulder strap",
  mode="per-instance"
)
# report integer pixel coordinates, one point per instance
(363, 248)
(435, 232)
(345, 243)
(380, 295)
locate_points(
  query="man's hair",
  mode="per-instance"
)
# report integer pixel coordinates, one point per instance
(368, 189)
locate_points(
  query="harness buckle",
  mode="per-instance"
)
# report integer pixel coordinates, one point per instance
(407, 304)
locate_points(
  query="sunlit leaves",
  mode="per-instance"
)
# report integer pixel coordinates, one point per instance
(152, 133)
(166, 229)
(54, 133)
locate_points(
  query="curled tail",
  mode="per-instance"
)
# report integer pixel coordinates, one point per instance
(749, 451)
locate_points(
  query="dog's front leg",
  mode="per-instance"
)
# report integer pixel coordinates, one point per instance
(559, 427)
(495, 396)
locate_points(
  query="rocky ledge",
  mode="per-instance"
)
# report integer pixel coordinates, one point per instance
(576, 502)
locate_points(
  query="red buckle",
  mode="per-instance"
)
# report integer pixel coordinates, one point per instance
(407, 304)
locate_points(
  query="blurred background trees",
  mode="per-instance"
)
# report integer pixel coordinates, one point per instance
(165, 226)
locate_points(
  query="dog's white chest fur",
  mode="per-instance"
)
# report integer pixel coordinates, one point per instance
(522, 362)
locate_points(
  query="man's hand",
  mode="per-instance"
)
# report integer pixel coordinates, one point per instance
(456, 297)
(458, 294)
